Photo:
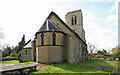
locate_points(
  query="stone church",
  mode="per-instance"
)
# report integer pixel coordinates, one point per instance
(58, 41)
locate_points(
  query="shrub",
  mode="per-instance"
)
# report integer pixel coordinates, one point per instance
(8, 58)
(13, 55)
(98, 56)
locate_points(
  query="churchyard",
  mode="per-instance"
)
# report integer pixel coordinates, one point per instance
(92, 65)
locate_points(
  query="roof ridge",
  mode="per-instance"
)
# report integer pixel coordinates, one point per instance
(27, 42)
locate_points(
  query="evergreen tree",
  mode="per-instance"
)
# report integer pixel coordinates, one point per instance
(20, 45)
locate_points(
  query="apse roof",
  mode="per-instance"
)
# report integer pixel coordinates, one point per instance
(49, 26)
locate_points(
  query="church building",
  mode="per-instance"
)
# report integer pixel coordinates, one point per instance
(57, 41)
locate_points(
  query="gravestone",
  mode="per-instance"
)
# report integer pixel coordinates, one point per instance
(114, 58)
(111, 58)
(104, 57)
(119, 58)
(98, 58)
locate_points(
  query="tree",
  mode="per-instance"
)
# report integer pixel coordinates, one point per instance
(104, 52)
(1, 33)
(13, 53)
(91, 47)
(0, 54)
(6, 51)
(20, 45)
(99, 52)
(1, 37)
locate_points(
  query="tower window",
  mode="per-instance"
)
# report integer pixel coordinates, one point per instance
(74, 20)
(54, 38)
(42, 39)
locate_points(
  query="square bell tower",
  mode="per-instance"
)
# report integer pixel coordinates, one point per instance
(75, 20)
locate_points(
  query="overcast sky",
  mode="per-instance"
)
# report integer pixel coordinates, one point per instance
(100, 19)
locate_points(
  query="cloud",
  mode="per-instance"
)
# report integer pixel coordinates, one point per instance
(114, 7)
(113, 18)
(27, 16)
(97, 34)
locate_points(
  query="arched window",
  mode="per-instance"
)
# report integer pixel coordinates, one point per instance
(26, 52)
(42, 39)
(74, 20)
(54, 38)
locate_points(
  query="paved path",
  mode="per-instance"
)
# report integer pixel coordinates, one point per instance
(8, 67)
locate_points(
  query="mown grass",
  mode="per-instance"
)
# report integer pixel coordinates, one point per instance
(90, 66)
(16, 62)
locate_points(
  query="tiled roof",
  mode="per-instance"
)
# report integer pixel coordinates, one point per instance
(49, 26)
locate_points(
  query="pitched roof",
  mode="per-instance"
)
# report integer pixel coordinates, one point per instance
(28, 44)
(49, 26)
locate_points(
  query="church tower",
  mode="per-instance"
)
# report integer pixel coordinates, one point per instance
(75, 20)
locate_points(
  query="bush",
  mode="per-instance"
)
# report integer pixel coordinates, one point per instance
(13, 55)
(113, 55)
(92, 54)
(8, 58)
(107, 55)
(96, 56)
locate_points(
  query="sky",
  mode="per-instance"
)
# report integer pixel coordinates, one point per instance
(100, 19)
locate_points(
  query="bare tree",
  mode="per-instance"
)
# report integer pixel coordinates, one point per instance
(1, 37)
(91, 47)
(1, 33)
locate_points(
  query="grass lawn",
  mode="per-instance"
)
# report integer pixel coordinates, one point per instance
(16, 62)
(90, 66)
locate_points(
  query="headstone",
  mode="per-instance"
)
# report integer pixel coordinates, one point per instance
(104, 57)
(111, 58)
(98, 58)
(119, 58)
(89, 57)
(114, 58)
